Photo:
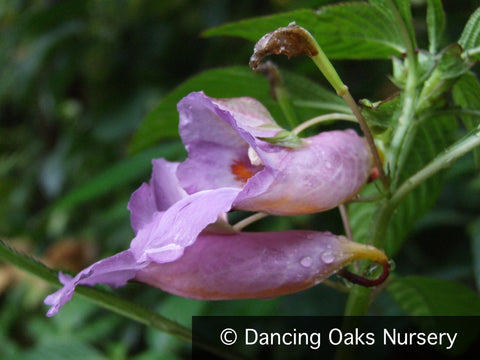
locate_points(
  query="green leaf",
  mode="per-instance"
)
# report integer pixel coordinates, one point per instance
(470, 38)
(440, 306)
(136, 167)
(422, 296)
(432, 137)
(466, 93)
(354, 30)
(379, 114)
(450, 66)
(403, 8)
(309, 98)
(435, 24)
(426, 64)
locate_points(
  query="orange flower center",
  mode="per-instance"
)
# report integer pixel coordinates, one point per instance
(241, 172)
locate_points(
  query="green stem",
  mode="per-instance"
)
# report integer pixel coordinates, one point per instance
(322, 118)
(357, 305)
(368, 137)
(388, 206)
(359, 301)
(471, 52)
(405, 132)
(327, 69)
(359, 298)
(108, 300)
(442, 161)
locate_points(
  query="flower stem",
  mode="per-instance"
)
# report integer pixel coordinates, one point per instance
(368, 137)
(328, 70)
(346, 223)
(108, 300)
(322, 118)
(248, 220)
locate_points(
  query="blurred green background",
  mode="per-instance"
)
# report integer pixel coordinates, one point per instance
(76, 80)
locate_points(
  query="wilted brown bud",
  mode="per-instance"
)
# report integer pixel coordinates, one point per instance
(292, 40)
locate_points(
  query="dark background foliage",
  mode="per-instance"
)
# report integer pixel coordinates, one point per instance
(76, 79)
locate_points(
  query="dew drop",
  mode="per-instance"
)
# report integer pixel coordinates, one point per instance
(328, 257)
(392, 265)
(306, 261)
(328, 165)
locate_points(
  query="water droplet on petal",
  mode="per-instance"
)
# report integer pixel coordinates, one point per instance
(306, 261)
(328, 257)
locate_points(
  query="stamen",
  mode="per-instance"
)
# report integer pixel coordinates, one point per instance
(241, 172)
(253, 157)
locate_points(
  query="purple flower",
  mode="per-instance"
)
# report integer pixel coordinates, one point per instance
(225, 140)
(183, 243)
(176, 251)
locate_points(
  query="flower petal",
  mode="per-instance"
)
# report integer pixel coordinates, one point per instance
(163, 191)
(330, 170)
(114, 271)
(165, 238)
(162, 240)
(215, 141)
(224, 151)
(255, 265)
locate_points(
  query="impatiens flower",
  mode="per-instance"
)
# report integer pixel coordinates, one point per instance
(231, 144)
(176, 251)
(239, 158)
